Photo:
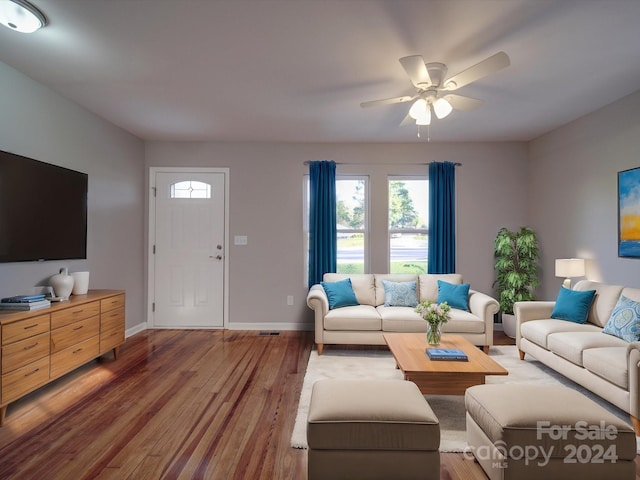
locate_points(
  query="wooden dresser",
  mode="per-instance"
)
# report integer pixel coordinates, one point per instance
(38, 347)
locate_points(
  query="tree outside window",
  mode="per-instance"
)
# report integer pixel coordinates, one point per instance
(408, 221)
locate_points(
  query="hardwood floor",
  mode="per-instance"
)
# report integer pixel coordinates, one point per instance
(177, 404)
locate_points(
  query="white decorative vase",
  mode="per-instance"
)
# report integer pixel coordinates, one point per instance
(80, 283)
(62, 284)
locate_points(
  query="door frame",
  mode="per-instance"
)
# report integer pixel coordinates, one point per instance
(151, 239)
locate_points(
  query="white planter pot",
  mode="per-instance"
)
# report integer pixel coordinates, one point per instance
(509, 324)
(80, 283)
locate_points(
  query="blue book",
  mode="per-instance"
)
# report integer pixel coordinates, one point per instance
(447, 354)
(23, 299)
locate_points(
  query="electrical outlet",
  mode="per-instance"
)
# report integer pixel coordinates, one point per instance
(289, 300)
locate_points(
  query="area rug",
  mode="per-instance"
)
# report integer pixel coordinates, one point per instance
(379, 364)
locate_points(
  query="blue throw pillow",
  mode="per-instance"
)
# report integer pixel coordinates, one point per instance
(573, 305)
(625, 320)
(340, 293)
(400, 294)
(456, 295)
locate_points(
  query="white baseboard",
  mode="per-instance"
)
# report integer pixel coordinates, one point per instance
(261, 326)
(135, 329)
(271, 326)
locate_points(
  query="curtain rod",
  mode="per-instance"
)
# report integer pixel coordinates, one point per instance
(307, 162)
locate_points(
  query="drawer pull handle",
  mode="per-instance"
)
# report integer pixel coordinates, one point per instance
(79, 328)
(78, 350)
(79, 311)
(31, 373)
(31, 326)
(31, 346)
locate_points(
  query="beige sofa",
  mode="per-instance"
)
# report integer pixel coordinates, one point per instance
(605, 364)
(365, 324)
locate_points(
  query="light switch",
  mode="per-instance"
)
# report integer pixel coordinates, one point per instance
(240, 240)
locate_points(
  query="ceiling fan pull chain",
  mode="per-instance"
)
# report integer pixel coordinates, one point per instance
(418, 131)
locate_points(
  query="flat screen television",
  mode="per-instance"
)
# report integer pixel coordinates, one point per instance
(43, 211)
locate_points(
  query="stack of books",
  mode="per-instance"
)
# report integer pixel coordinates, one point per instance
(24, 302)
(447, 354)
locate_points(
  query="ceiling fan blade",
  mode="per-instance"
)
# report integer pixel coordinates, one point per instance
(460, 102)
(486, 67)
(387, 101)
(417, 70)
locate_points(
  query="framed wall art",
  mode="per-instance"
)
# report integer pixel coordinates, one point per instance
(629, 213)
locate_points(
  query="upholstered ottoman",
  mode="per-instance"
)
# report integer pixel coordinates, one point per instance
(546, 432)
(371, 429)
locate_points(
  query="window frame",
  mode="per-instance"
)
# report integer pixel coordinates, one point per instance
(365, 231)
(390, 231)
(367, 224)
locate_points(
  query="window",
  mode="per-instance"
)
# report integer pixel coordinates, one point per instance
(190, 189)
(352, 223)
(352, 211)
(408, 224)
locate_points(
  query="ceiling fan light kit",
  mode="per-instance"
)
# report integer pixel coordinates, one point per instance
(432, 85)
(21, 16)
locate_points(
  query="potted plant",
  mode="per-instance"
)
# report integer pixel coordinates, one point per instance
(516, 264)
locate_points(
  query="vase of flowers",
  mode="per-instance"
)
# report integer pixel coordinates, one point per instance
(435, 315)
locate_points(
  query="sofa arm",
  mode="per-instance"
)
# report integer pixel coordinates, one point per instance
(531, 310)
(633, 357)
(484, 307)
(317, 301)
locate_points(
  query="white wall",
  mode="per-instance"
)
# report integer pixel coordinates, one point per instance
(41, 124)
(266, 205)
(573, 193)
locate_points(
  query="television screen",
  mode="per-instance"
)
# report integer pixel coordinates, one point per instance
(43, 211)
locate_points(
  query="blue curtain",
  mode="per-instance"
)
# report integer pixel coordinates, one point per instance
(323, 243)
(442, 218)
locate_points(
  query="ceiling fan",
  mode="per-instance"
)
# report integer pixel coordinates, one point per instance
(433, 87)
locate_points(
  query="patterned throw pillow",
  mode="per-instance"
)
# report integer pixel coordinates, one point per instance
(625, 320)
(400, 294)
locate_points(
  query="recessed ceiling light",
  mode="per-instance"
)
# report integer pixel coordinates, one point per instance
(21, 16)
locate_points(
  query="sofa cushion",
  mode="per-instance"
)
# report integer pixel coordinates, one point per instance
(360, 317)
(625, 320)
(604, 301)
(538, 331)
(456, 296)
(363, 285)
(401, 319)
(340, 294)
(573, 305)
(610, 363)
(463, 322)
(429, 284)
(389, 277)
(570, 345)
(400, 294)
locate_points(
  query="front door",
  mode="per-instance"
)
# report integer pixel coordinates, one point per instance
(189, 245)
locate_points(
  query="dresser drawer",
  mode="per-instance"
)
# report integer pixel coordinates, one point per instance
(74, 333)
(25, 379)
(111, 339)
(13, 332)
(73, 314)
(19, 354)
(111, 303)
(72, 357)
(112, 319)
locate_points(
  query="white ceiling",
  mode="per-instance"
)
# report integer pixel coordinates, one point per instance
(297, 70)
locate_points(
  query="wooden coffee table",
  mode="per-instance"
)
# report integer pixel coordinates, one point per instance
(436, 376)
